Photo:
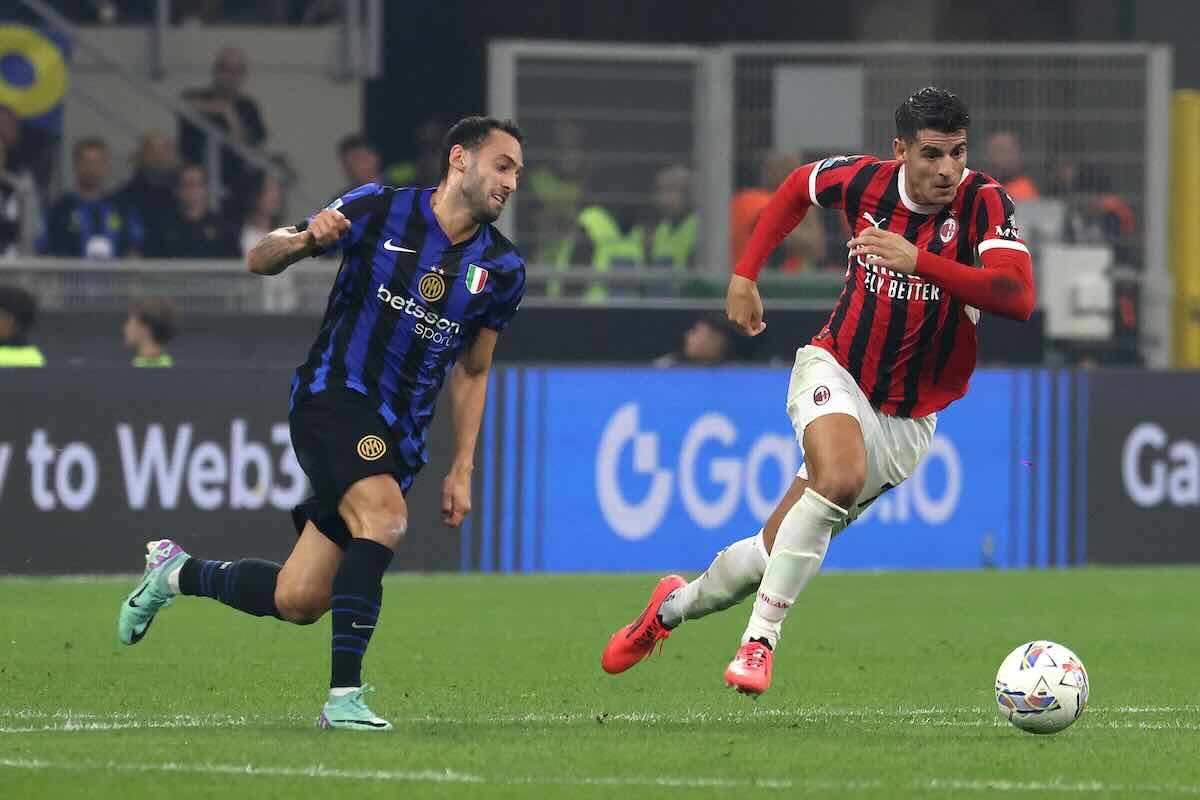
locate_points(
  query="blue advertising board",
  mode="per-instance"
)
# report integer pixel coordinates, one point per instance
(640, 469)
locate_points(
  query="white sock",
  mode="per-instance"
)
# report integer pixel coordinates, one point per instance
(173, 578)
(796, 557)
(730, 578)
(342, 691)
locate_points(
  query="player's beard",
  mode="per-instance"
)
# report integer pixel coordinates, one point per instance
(474, 189)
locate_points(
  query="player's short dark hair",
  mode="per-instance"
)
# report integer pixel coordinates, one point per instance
(158, 315)
(21, 305)
(470, 132)
(931, 108)
(355, 141)
(88, 143)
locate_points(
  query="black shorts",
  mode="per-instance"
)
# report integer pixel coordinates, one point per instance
(340, 439)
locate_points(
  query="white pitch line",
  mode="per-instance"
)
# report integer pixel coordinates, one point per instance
(90, 726)
(68, 721)
(670, 782)
(748, 715)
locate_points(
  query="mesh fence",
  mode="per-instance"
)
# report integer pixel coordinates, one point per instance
(1072, 126)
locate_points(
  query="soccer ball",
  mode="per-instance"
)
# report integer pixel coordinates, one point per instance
(1042, 687)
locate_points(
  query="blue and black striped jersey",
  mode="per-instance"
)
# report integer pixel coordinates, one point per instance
(403, 305)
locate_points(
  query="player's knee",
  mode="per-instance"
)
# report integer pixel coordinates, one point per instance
(380, 515)
(385, 523)
(840, 487)
(299, 604)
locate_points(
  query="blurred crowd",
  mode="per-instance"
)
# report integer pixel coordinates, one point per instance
(574, 224)
(166, 208)
(576, 217)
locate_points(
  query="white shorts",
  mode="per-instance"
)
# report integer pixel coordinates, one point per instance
(895, 445)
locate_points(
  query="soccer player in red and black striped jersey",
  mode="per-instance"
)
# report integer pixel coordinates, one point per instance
(934, 244)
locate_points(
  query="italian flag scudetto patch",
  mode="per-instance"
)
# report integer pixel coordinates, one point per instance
(476, 278)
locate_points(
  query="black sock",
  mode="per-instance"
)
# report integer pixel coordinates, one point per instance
(247, 585)
(357, 597)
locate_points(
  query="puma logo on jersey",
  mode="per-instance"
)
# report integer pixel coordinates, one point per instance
(867, 216)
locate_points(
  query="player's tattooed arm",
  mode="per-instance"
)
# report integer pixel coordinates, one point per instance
(468, 395)
(283, 247)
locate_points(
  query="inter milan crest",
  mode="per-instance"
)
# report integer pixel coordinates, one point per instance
(432, 287)
(948, 230)
(371, 448)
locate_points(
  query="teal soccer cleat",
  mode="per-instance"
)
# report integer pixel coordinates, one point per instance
(349, 712)
(152, 593)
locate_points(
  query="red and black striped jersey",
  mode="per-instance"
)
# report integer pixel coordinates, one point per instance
(908, 343)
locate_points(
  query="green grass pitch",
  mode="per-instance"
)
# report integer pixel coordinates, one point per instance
(883, 688)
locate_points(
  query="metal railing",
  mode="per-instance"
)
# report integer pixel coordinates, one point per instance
(202, 285)
(360, 56)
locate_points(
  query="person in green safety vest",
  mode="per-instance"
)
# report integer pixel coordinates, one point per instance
(18, 310)
(600, 243)
(674, 230)
(148, 328)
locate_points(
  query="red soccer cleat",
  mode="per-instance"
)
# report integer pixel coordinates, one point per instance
(634, 642)
(750, 670)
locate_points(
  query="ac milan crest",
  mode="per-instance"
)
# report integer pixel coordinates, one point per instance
(821, 395)
(948, 230)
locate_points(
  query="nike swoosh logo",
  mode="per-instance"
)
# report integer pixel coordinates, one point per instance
(139, 594)
(396, 248)
(361, 722)
(360, 627)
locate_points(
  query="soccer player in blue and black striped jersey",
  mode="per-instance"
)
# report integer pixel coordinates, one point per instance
(425, 287)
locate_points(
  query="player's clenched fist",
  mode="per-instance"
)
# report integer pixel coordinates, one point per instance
(327, 227)
(744, 307)
(885, 249)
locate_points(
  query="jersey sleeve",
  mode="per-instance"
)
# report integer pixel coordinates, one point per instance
(506, 298)
(1004, 285)
(358, 206)
(996, 222)
(828, 181)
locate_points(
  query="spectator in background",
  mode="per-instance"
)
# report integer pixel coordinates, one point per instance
(425, 169)
(804, 248)
(1006, 164)
(148, 329)
(1095, 215)
(707, 343)
(224, 105)
(151, 190)
(87, 223)
(360, 161)
(674, 229)
(18, 208)
(30, 149)
(263, 203)
(18, 310)
(193, 231)
(557, 185)
(749, 203)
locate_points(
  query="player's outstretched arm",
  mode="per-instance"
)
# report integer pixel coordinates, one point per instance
(283, 247)
(468, 395)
